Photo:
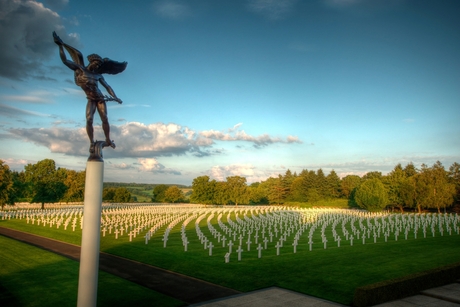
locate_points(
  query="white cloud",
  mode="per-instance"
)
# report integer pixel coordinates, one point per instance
(135, 139)
(149, 165)
(240, 135)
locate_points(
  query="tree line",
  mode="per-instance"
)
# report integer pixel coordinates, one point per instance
(404, 187)
(43, 183)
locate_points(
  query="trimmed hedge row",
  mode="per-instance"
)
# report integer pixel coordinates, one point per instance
(398, 288)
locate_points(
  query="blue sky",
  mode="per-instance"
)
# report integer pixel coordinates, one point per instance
(249, 88)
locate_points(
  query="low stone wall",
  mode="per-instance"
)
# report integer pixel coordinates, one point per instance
(395, 289)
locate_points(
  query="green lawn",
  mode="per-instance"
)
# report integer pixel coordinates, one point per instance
(30, 276)
(315, 272)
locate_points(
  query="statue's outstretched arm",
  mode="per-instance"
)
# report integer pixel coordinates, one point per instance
(109, 90)
(76, 55)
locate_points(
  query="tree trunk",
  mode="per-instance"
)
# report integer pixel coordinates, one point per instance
(43, 206)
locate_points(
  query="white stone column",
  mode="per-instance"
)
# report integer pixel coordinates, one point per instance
(90, 242)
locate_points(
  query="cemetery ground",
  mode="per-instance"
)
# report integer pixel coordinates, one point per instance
(317, 252)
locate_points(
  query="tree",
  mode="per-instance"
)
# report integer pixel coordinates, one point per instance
(108, 194)
(349, 184)
(371, 195)
(441, 190)
(257, 193)
(313, 195)
(159, 193)
(174, 194)
(75, 183)
(276, 190)
(203, 190)
(47, 183)
(237, 190)
(221, 196)
(333, 185)
(6, 183)
(20, 190)
(394, 182)
(122, 195)
(297, 192)
(432, 188)
(454, 178)
(372, 175)
(410, 170)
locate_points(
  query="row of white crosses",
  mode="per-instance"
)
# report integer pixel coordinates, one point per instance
(134, 220)
(53, 217)
(246, 229)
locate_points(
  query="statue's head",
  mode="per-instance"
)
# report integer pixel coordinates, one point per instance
(95, 62)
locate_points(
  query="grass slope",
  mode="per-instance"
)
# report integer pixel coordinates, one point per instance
(30, 276)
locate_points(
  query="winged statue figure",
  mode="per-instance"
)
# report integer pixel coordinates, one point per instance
(88, 77)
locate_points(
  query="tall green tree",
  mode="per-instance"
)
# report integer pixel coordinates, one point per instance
(221, 196)
(297, 192)
(237, 190)
(122, 195)
(410, 170)
(394, 182)
(159, 193)
(108, 194)
(75, 183)
(47, 182)
(257, 193)
(442, 191)
(6, 183)
(202, 190)
(432, 188)
(454, 178)
(349, 184)
(372, 195)
(333, 185)
(276, 190)
(173, 194)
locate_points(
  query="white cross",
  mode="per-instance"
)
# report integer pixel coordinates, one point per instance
(239, 250)
(210, 246)
(260, 248)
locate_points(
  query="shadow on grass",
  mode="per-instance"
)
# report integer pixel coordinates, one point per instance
(30, 276)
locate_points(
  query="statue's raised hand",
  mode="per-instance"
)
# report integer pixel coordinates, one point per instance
(57, 39)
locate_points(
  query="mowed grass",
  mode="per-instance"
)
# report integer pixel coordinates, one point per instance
(333, 273)
(30, 276)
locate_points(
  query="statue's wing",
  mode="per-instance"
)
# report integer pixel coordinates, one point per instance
(76, 55)
(109, 66)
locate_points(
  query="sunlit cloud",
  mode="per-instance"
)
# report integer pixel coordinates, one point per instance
(140, 140)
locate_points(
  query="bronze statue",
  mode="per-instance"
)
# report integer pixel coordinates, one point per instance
(87, 78)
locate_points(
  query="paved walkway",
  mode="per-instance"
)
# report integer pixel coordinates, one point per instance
(201, 293)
